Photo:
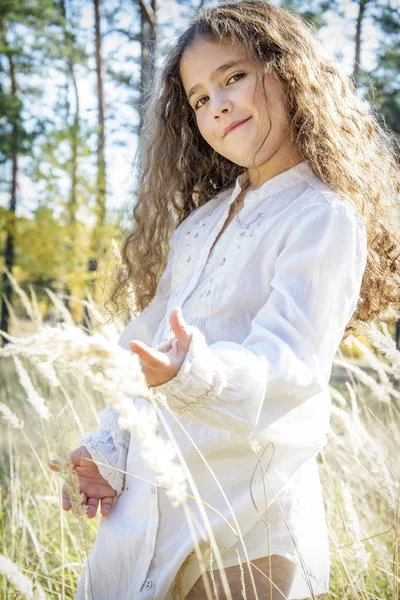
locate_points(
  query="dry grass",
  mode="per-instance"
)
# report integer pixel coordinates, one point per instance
(44, 549)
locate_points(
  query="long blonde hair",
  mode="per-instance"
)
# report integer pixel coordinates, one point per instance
(333, 128)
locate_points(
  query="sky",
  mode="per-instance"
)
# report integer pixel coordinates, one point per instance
(337, 40)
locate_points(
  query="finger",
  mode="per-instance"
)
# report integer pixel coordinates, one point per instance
(150, 356)
(54, 464)
(66, 502)
(106, 505)
(93, 504)
(75, 457)
(180, 328)
(78, 455)
(165, 346)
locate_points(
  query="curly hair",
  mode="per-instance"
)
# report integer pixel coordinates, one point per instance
(331, 125)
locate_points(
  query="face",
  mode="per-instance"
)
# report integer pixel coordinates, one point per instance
(220, 96)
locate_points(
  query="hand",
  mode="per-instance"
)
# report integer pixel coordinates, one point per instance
(159, 366)
(91, 483)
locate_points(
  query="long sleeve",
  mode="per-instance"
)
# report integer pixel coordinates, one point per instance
(287, 356)
(110, 443)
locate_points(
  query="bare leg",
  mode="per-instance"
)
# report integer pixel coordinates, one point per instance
(283, 572)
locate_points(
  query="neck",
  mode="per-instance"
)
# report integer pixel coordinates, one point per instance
(285, 158)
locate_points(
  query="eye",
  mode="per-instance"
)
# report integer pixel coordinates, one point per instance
(240, 75)
(196, 105)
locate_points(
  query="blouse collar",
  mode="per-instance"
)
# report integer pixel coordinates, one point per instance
(279, 183)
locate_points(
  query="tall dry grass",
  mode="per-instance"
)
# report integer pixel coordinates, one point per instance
(44, 549)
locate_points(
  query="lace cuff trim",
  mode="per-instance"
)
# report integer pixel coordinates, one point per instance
(101, 450)
(199, 380)
(108, 423)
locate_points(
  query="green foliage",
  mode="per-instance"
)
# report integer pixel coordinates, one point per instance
(56, 148)
(383, 83)
(314, 11)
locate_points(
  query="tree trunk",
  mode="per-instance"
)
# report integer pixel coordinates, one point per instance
(74, 143)
(9, 253)
(98, 233)
(357, 58)
(148, 41)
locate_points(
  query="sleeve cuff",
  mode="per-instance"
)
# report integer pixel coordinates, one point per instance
(109, 445)
(201, 377)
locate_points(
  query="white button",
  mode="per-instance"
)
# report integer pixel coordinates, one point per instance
(150, 547)
(153, 490)
(149, 584)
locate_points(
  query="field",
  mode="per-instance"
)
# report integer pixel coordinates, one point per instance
(56, 379)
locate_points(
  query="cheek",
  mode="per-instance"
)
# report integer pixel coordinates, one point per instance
(205, 130)
(248, 96)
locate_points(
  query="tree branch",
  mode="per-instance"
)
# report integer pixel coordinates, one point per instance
(148, 11)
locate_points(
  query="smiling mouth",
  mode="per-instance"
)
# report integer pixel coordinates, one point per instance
(236, 126)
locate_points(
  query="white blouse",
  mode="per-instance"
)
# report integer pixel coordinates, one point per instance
(268, 308)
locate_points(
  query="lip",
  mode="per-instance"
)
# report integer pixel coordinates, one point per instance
(234, 125)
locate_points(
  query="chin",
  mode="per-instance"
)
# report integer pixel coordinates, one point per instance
(241, 161)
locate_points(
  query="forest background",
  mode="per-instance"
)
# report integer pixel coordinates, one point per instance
(72, 74)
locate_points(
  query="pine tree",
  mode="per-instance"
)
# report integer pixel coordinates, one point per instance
(19, 49)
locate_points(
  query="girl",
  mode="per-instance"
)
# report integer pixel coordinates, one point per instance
(277, 191)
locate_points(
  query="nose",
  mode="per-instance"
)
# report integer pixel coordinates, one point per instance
(221, 105)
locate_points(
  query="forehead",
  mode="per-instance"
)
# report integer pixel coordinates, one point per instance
(202, 57)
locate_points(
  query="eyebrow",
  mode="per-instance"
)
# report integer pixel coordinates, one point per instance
(217, 71)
